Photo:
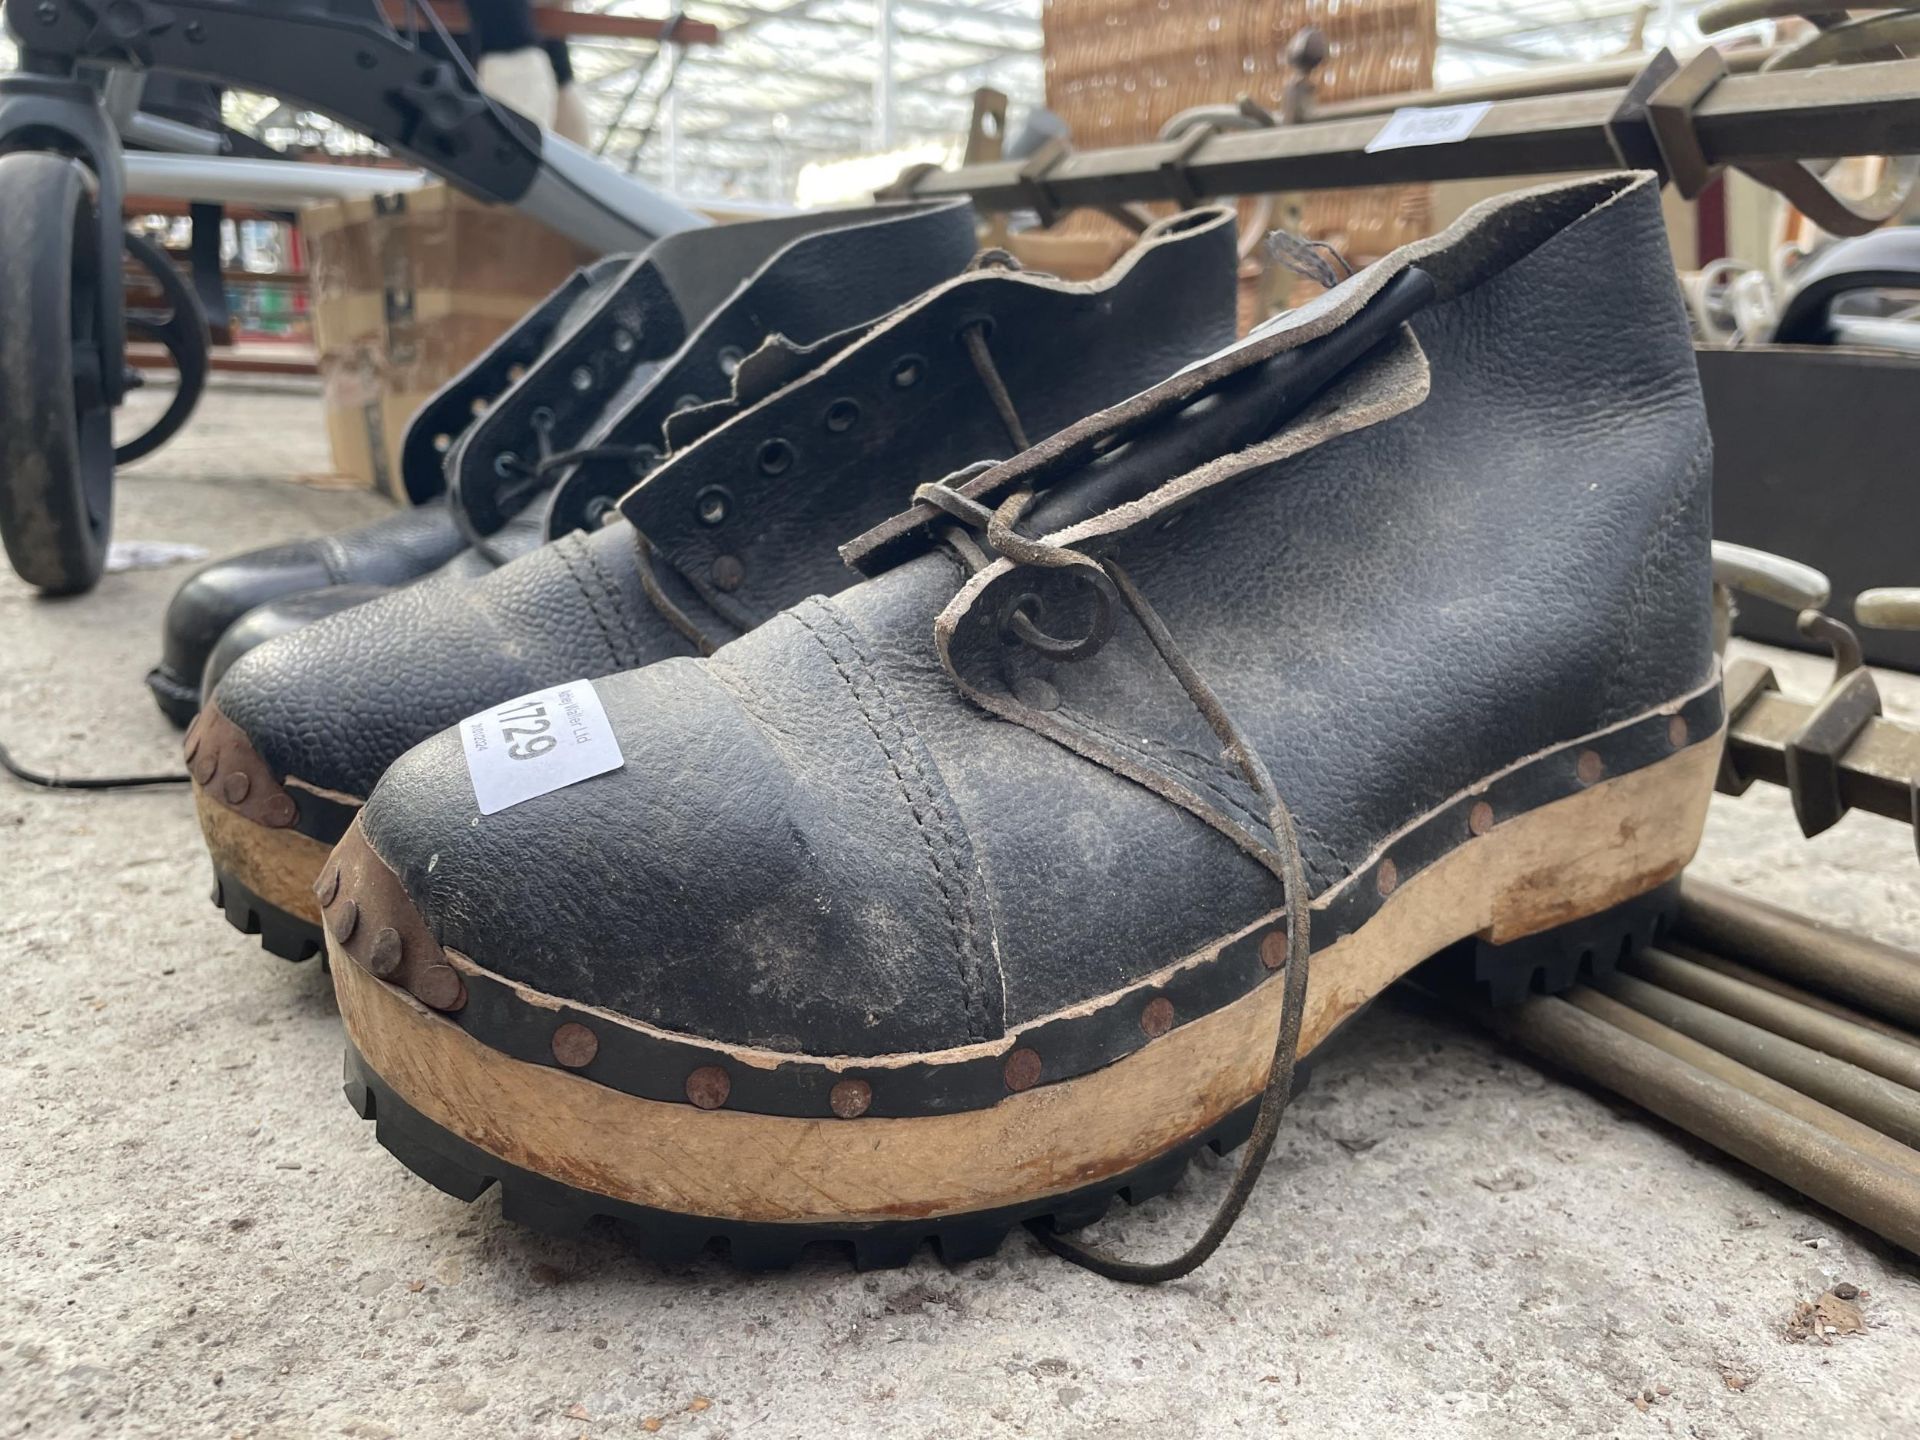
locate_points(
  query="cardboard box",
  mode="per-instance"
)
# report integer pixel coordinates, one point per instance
(407, 290)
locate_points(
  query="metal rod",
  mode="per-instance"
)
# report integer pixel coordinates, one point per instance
(1546, 80)
(1886, 1058)
(1876, 773)
(1881, 978)
(1812, 1161)
(1891, 1109)
(1770, 116)
(1844, 1128)
(1720, 965)
(244, 181)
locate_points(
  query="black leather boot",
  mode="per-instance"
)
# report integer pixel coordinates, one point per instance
(989, 889)
(817, 444)
(627, 336)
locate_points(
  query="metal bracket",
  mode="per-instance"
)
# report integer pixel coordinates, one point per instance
(1033, 179)
(1815, 752)
(1670, 115)
(1894, 608)
(1174, 167)
(1630, 129)
(987, 130)
(1745, 682)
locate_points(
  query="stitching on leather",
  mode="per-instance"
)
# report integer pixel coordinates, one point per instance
(612, 593)
(960, 909)
(736, 683)
(334, 556)
(1324, 865)
(565, 550)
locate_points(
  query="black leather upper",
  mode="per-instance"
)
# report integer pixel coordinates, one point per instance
(1488, 538)
(392, 550)
(337, 703)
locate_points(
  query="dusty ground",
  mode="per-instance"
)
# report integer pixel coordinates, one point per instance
(201, 1239)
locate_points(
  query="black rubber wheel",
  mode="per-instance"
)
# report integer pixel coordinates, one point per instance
(180, 325)
(56, 427)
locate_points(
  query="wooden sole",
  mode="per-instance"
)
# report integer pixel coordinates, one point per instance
(276, 866)
(1580, 856)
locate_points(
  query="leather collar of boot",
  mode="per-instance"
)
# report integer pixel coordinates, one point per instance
(562, 391)
(1486, 239)
(427, 454)
(791, 453)
(841, 266)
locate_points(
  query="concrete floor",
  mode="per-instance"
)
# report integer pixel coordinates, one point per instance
(201, 1239)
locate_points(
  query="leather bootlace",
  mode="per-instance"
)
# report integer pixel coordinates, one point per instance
(1110, 585)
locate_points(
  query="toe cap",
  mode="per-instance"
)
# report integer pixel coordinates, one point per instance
(753, 874)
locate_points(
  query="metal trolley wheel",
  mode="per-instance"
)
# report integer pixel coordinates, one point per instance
(56, 422)
(180, 325)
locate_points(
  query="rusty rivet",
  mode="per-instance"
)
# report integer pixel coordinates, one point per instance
(708, 1087)
(345, 920)
(1480, 819)
(1023, 1070)
(328, 885)
(440, 987)
(728, 572)
(1386, 877)
(278, 811)
(384, 958)
(1590, 766)
(1157, 1018)
(1273, 949)
(1677, 731)
(204, 767)
(235, 787)
(850, 1099)
(574, 1045)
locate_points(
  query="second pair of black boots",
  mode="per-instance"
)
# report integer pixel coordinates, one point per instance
(603, 361)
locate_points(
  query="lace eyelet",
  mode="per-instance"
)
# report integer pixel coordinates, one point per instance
(623, 340)
(712, 506)
(908, 371)
(777, 457)
(985, 325)
(842, 416)
(730, 358)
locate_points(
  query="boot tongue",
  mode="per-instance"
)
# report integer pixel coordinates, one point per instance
(851, 273)
(1243, 407)
(609, 321)
(1228, 399)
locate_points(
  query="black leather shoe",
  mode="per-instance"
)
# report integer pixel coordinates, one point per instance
(989, 888)
(633, 337)
(361, 563)
(817, 444)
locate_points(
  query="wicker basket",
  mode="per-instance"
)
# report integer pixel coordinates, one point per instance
(1118, 70)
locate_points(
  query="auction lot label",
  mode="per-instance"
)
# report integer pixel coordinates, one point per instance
(537, 744)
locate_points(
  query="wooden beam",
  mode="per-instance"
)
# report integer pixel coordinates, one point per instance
(575, 25)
